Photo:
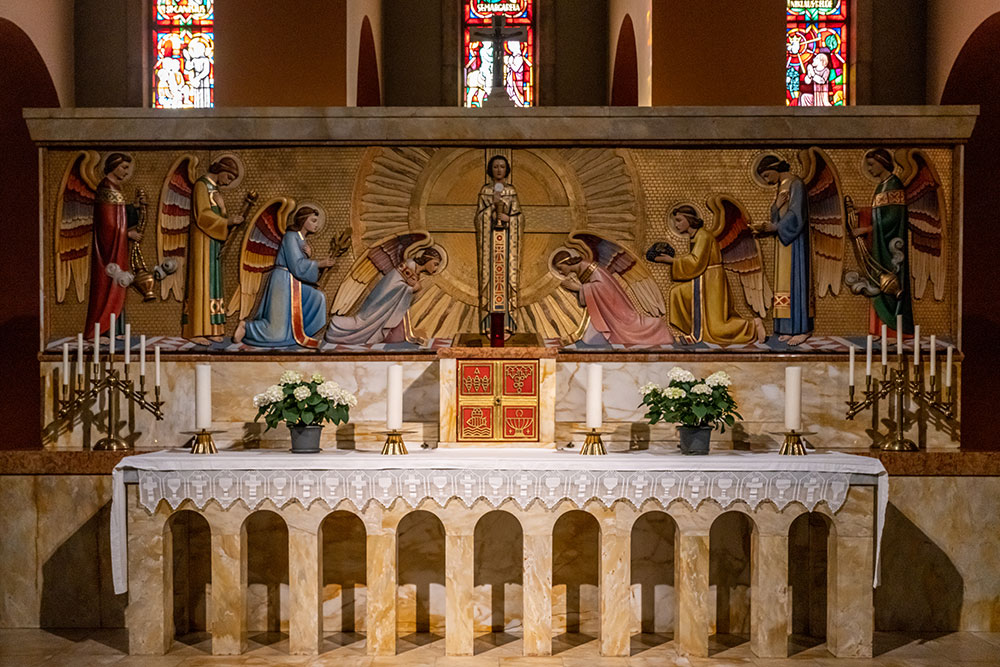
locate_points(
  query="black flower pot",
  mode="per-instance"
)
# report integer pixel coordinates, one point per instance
(694, 439)
(305, 439)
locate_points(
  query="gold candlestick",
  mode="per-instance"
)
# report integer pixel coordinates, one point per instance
(793, 444)
(394, 445)
(593, 445)
(203, 443)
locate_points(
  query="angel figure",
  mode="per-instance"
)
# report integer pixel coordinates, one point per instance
(808, 219)
(905, 227)
(701, 302)
(402, 261)
(291, 310)
(95, 227)
(193, 227)
(608, 280)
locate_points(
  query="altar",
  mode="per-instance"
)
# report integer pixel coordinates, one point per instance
(538, 488)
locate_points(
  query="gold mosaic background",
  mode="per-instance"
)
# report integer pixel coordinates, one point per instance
(661, 178)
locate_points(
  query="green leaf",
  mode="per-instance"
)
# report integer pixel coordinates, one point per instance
(314, 399)
(307, 417)
(699, 411)
(290, 416)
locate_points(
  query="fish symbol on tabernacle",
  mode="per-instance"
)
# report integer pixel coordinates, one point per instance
(477, 426)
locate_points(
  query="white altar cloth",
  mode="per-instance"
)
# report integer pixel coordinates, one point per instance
(496, 475)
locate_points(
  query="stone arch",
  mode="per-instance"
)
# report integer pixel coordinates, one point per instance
(499, 574)
(576, 552)
(730, 571)
(343, 537)
(187, 539)
(265, 535)
(653, 540)
(809, 540)
(420, 572)
(625, 74)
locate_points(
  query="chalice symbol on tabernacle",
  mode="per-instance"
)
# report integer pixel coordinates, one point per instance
(518, 423)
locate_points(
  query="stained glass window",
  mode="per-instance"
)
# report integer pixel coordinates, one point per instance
(183, 53)
(519, 55)
(816, 45)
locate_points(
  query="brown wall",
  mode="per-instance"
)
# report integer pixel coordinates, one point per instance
(413, 69)
(690, 67)
(284, 58)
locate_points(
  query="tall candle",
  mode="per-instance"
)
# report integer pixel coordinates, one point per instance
(933, 355)
(885, 345)
(65, 364)
(203, 396)
(850, 372)
(793, 398)
(112, 328)
(97, 343)
(128, 343)
(868, 356)
(899, 336)
(79, 354)
(947, 366)
(595, 387)
(916, 345)
(394, 398)
(156, 359)
(142, 355)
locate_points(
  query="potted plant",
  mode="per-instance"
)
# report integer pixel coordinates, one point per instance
(695, 405)
(304, 405)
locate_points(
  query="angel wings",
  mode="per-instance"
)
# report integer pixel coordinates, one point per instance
(75, 219)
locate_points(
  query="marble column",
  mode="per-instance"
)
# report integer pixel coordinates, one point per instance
(149, 614)
(305, 579)
(229, 579)
(850, 615)
(381, 600)
(460, 564)
(536, 600)
(769, 610)
(615, 573)
(691, 553)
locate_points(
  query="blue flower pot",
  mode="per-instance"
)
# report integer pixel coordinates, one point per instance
(305, 439)
(694, 439)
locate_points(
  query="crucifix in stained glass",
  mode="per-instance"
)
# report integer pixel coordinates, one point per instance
(498, 35)
(498, 52)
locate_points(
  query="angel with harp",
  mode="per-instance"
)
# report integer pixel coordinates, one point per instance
(610, 282)
(905, 226)
(397, 267)
(95, 228)
(701, 302)
(291, 310)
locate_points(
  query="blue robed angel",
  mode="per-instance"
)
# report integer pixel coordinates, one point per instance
(291, 309)
(383, 314)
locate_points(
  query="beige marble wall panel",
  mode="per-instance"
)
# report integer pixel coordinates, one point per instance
(229, 579)
(20, 601)
(547, 387)
(150, 579)
(448, 400)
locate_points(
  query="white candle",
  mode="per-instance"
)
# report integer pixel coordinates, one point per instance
(868, 356)
(65, 365)
(947, 366)
(933, 355)
(112, 327)
(79, 354)
(793, 398)
(595, 387)
(916, 345)
(899, 336)
(97, 343)
(203, 396)
(156, 359)
(394, 398)
(885, 345)
(850, 373)
(128, 343)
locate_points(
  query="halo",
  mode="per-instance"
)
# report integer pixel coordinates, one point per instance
(100, 167)
(321, 213)
(674, 233)
(444, 258)
(571, 250)
(754, 176)
(863, 166)
(239, 164)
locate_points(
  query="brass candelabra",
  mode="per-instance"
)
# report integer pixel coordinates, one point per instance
(73, 396)
(896, 385)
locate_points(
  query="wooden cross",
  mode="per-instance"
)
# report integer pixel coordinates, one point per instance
(497, 33)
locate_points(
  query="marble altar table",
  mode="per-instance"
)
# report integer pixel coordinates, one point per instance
(536, 486)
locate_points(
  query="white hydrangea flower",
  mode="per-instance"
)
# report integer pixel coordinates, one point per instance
(301, 393)
(316, 377)
(260, 400)
(345, 397)
(718, 379)
(674, 392)
(701, 389)
(680, 375)
(649, 387)
(328, 389)
(290, 377)
(273, 394)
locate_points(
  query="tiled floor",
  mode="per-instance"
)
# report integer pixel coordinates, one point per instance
(28, 648)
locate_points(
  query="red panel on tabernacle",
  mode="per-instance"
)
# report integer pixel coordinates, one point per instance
(520, 379)
(476, 379)
(475, 423)
(520, 423)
